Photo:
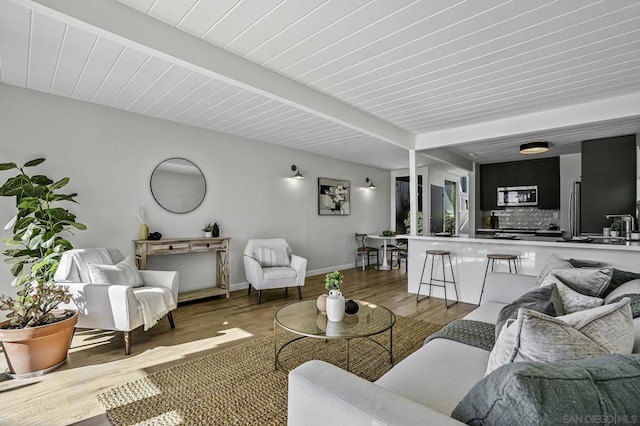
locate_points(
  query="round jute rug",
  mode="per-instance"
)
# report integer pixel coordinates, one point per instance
(239, 385)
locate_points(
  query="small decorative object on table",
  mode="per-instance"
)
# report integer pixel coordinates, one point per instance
(144, 228)
(208, 230)
(321, 303)
(216, 230)
(335, 302)
(387, 233)
(155, 236)
(635, 235)
(351, 307)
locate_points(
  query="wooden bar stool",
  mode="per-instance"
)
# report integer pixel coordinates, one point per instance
(442, 254)
(491, 258)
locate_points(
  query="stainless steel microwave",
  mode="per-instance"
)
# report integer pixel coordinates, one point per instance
(517, 196)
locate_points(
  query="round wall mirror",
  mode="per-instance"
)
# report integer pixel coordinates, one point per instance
(178, 185)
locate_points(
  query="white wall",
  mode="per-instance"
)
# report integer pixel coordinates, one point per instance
(570, 171)
(109, 155)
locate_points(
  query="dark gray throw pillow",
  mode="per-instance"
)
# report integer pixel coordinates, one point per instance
(545, 300)
(568, 392)
(618, 278)
(635, 303)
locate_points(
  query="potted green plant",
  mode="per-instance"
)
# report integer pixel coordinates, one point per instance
(36, 335)
(208, 230)
(333, 280)
(615, 229)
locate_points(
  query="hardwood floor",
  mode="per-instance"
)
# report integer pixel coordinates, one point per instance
(97, 361)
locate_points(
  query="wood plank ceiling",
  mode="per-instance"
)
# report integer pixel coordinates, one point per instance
(417, 65)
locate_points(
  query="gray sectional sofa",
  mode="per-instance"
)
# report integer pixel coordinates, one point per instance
(424, 388)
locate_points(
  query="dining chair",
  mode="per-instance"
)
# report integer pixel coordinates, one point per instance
(363, 251)
(401, 252)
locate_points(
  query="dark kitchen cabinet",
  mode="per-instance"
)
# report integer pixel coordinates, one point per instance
(508, 174)
(527, 173)
(545, 173)
(488, 186)
(549, 183)
(608, 180)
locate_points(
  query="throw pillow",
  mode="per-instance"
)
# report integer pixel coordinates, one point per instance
(534, 336)
(269, 257)
(630, 289)
(591, 282)
(570, 392)
(553, 262)
(581, 263)
(572, 301)
(123, 273)
(619, 278)
(543, 299)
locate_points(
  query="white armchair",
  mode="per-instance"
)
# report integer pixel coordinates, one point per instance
(269, 263)
(111, 306)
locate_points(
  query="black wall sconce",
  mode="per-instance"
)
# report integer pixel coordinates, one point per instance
(297, 175)
(370, 182)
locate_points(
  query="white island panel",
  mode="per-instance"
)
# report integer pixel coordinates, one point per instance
(469, 258)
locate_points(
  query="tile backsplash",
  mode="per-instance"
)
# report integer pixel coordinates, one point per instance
(525, 217)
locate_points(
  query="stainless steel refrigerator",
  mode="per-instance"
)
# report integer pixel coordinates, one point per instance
(574, 210)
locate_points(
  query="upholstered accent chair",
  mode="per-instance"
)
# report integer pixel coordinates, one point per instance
(109, 292)
(269, 263)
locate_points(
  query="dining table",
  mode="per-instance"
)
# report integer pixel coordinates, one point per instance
(384, 238)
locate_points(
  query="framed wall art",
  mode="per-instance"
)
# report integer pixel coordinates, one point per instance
(333, 197)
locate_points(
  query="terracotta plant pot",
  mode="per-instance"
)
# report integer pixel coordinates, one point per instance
(37, 350)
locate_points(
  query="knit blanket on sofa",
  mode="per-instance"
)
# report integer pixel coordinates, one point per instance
(473, 333)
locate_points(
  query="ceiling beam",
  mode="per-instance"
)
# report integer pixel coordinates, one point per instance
(590, 112)
(122, 24)
(450, 158)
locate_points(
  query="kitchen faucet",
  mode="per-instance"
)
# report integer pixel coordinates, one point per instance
(628, 223)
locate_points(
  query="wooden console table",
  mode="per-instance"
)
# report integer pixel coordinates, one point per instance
(169, 246)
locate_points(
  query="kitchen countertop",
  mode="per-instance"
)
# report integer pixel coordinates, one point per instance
(531, 240)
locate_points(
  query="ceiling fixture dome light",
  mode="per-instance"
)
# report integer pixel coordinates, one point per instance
(537, 147)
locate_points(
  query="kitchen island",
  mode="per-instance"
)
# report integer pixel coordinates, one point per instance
(469, 257)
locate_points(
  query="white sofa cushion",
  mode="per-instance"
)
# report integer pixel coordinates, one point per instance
(278, 272)
(537, 337)
(438, 375)
(487, 312)
(122, 273)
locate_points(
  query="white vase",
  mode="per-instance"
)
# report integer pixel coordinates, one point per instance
(614, 233)
(208, 234)
(335, 306)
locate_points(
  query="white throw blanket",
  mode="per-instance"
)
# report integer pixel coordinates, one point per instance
(155, 302)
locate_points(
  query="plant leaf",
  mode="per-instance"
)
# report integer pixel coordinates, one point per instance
(59, 184)
(11, 223)
(34, 162)
(8, 166)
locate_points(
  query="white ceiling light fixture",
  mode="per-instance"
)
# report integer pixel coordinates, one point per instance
(535, 147)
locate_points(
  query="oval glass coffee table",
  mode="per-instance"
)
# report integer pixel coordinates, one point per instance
(304, 319)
